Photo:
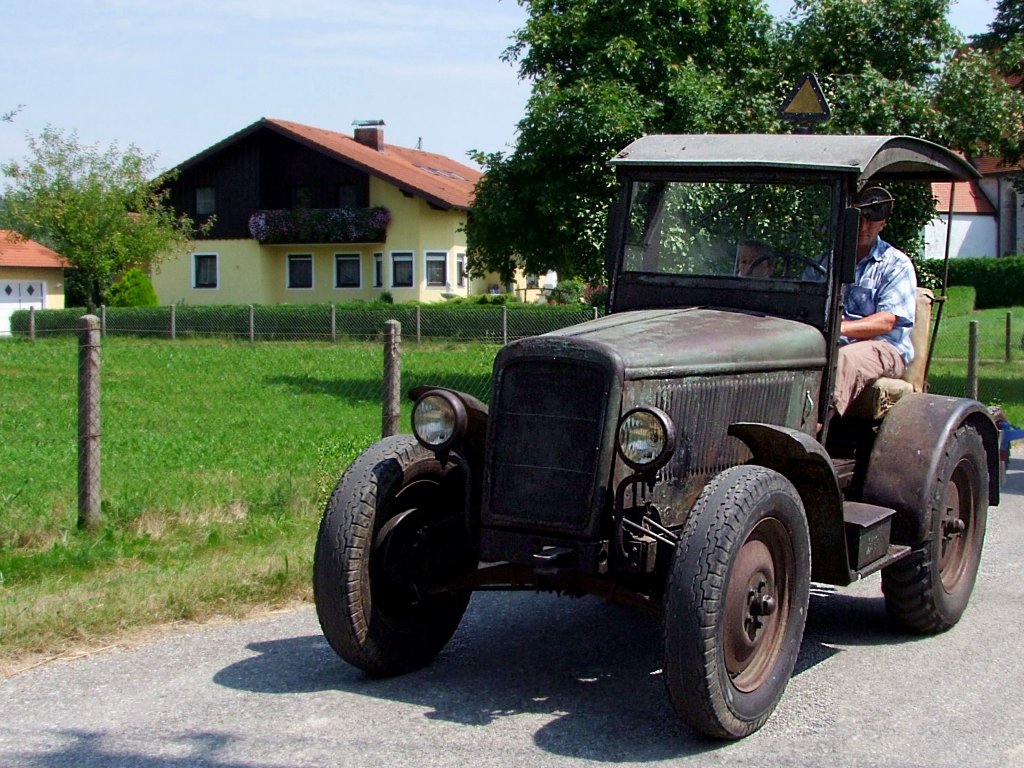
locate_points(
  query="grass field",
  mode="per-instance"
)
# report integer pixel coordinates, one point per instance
(217, 459)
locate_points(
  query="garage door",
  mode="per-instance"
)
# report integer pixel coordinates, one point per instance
(19, 294)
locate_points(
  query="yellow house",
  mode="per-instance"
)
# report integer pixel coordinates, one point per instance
(301, 214)
(31, 275)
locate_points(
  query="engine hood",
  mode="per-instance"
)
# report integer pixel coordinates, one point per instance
(656, 343)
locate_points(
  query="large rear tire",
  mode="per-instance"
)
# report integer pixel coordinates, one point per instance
(928, 591)
(392, 533)
(736, 602)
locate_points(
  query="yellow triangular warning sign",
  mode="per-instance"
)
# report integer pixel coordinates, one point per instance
(806, 102)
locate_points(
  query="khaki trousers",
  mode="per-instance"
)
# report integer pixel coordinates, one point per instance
(860, 363)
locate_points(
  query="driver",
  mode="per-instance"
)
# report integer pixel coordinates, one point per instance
(878, 307)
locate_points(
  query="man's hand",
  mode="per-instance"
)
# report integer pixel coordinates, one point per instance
(868, 327)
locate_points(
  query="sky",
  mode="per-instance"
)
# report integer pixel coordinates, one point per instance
(174, 77)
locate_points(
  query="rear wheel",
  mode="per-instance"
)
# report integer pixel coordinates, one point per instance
(928, 590)
(392, 535)
(736, 602)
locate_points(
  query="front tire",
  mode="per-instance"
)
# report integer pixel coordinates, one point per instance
(928, 591)
(393, 531)
(736, 602)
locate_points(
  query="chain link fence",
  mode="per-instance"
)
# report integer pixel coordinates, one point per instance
(211, 414)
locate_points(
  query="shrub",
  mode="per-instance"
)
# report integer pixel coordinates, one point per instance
(998, 282)
(133, 290)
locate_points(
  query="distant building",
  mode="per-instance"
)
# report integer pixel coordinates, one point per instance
(31, 275)
(303, 214)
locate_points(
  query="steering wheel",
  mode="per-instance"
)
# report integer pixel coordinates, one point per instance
(795, 265)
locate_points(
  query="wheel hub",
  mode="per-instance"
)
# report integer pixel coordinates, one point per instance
(756, 604)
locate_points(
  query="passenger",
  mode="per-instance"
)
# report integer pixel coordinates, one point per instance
(755, 258)
(878, 307)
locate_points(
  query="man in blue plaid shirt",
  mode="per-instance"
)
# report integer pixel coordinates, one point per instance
(878, 307)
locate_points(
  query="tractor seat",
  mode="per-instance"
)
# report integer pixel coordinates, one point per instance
(875, 401)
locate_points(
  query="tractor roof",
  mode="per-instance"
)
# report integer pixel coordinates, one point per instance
(880, 158)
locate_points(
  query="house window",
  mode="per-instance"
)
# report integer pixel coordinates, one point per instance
(300, 270)
(460, 270)
(378, 270)
(437, 268)
(204, 270)
(206, 201)
(401, 269)
(346, 270)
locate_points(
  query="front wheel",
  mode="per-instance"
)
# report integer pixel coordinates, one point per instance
(392, 535)
(928, 590)
(736, 602)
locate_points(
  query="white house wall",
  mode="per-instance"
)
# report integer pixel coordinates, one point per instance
(971, 235)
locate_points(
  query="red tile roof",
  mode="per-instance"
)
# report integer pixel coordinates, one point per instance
(967, 198)
(988, 165)
(16, 251)
(438, 179)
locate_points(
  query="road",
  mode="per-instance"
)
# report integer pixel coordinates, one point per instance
(538, 680)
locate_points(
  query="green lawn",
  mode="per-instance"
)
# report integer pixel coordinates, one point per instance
(217, 459)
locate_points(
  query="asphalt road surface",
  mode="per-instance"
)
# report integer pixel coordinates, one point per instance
(538, 680)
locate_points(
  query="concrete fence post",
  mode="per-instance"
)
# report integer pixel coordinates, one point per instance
(103, 320)
(334, 323)
(32, 323)
(174, 323)
(419, 326)
(391, 410)
(252, 323)
(89, 422)
(504, 325)
(972, 360)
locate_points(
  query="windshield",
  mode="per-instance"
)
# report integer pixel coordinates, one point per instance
(771, 231)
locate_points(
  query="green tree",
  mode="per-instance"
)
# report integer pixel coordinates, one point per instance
(102, 209)
(607, 71)
(1007, 27)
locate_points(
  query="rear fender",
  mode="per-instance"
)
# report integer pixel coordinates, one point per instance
(907, 453)
(804, 462)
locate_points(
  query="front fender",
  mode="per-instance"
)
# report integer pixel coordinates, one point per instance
(805, 463)
(907, 451)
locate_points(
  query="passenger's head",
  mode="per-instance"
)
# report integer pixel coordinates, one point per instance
(754, 258)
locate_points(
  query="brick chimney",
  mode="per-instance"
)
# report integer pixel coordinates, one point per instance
(370, 133)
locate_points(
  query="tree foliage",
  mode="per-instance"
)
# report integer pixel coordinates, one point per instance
(101, 209)
(605, 72)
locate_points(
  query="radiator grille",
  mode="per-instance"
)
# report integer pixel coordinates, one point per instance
(548, 421)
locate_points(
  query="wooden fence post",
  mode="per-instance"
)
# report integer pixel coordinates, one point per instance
(392, 378)
(972, 360)
(1008, 353)
(89, 422)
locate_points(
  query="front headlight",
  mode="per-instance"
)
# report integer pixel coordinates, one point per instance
(647, 438)
(438, 419)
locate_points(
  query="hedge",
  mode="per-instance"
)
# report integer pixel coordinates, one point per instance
(997, 282)
(464, 320)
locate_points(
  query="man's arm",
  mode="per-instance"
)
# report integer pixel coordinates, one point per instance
(868, 327)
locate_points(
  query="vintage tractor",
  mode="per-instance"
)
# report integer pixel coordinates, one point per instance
(679, 453)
